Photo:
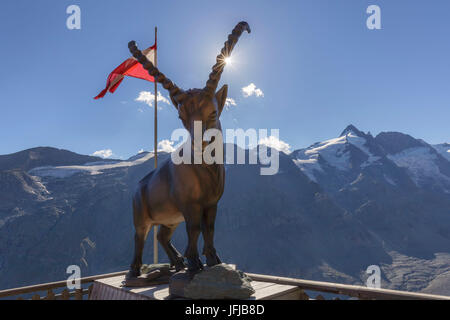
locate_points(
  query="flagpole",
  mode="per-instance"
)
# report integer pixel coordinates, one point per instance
(155, 228)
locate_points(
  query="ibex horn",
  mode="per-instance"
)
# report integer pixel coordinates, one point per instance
(174, 91)
(214, 77)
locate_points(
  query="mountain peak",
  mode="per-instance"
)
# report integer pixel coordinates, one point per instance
(351, 128)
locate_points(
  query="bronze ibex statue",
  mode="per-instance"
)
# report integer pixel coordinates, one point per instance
(174, 193)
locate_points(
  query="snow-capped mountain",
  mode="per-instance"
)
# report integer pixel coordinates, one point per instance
(354, 152)
(92, 168)
(425, 165)
(351, 150)
(333, 209)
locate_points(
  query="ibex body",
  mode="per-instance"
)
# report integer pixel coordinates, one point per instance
(188, 192)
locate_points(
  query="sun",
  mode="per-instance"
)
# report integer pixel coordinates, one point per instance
(228, 61)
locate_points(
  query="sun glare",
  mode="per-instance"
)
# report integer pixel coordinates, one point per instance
(228, 60)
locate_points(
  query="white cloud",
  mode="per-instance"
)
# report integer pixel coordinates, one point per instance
(251, 90)
(230, 102)
(276, 143)
(141, 151)
(149, 98)
(106, 153)
(166, 146)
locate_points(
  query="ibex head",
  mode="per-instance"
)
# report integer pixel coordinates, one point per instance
(205, 104)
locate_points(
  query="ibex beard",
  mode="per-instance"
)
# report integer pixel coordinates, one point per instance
(173, 193)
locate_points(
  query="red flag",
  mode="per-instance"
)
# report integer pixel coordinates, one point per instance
(130, 67)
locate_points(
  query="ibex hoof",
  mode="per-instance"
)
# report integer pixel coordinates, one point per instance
(132, 273)
(179, 265)
(213, 260)
(194, 265)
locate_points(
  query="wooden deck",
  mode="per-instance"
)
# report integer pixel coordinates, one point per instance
(111, 289)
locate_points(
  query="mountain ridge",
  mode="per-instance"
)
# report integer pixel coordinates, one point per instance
(333, 209)
(43, 156)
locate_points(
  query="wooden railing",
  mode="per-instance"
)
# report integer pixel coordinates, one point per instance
(358, 292)
(48, 291)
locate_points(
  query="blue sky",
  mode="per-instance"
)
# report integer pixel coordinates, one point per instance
(316, 62)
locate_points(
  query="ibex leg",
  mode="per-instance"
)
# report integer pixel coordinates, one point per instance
(164, 235)
(209, 218)
(193, 218)
(139, 242)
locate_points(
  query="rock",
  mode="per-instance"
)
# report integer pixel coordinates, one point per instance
(217, 282)
(153, 274)
(163, 267)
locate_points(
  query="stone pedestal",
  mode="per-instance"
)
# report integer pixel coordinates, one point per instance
(218, 282)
